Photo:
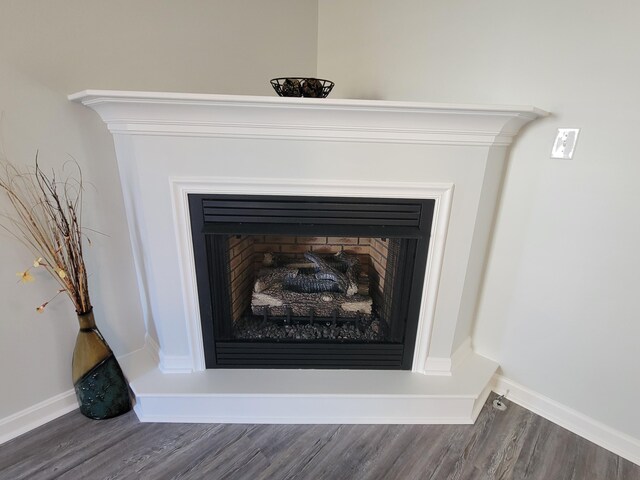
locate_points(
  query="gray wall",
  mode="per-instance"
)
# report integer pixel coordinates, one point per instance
(560, 304)
(53, 48)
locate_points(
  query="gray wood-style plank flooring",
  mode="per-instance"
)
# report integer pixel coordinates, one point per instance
(515, 444)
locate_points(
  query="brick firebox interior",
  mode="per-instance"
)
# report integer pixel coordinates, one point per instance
(246, 255)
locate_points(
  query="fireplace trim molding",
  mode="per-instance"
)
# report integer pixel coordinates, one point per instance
(181, 187)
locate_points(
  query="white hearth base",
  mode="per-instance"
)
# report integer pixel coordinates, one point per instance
(309, 396)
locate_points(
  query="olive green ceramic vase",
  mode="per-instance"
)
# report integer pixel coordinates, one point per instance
(100, 385)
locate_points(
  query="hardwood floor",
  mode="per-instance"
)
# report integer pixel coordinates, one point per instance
(515, 444)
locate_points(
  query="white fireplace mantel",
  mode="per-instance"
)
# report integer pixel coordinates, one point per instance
(146, 113)
(171, 144)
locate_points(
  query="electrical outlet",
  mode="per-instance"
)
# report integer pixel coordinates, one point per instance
(565, 143)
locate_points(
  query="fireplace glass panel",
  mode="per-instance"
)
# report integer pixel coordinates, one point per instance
(319, 288)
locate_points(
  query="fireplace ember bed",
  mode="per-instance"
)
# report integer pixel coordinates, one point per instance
(309, 282)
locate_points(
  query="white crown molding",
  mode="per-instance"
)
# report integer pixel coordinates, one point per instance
(183, 114)
(182, 187)
(613, 440)
(37, 415)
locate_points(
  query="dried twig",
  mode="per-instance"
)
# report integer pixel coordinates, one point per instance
(47, 219)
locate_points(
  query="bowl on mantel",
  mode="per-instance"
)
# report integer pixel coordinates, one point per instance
(302, 87)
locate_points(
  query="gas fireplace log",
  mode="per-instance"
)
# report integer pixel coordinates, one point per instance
(271, 276)
(280, 301)
(332, 286)
(346, 282)
(352, 271)
(309, 284)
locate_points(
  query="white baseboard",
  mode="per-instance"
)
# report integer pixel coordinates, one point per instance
(36, 415)
(576, 422)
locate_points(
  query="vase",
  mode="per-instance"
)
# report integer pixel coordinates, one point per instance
(98, 380)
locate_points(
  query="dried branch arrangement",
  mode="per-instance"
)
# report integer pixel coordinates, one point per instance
(47, 219)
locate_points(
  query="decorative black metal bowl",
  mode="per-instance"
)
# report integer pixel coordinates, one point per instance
(302, 87)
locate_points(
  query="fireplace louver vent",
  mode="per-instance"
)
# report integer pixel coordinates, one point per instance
(244, 214)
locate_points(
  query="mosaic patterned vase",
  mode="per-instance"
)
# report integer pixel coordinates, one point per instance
(100, 385)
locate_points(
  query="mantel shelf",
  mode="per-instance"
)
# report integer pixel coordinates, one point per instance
(190, 114)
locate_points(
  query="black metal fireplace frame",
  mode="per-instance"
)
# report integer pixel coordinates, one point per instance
(215, 216)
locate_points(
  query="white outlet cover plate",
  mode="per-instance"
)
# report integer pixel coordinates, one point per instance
(565, 143)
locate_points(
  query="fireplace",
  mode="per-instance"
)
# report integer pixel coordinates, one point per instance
(174, 148)
(309, 282)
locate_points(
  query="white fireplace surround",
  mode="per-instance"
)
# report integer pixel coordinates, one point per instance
(169, 145)
(181, 187)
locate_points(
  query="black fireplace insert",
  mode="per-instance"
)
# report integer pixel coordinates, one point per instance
(309, 282)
